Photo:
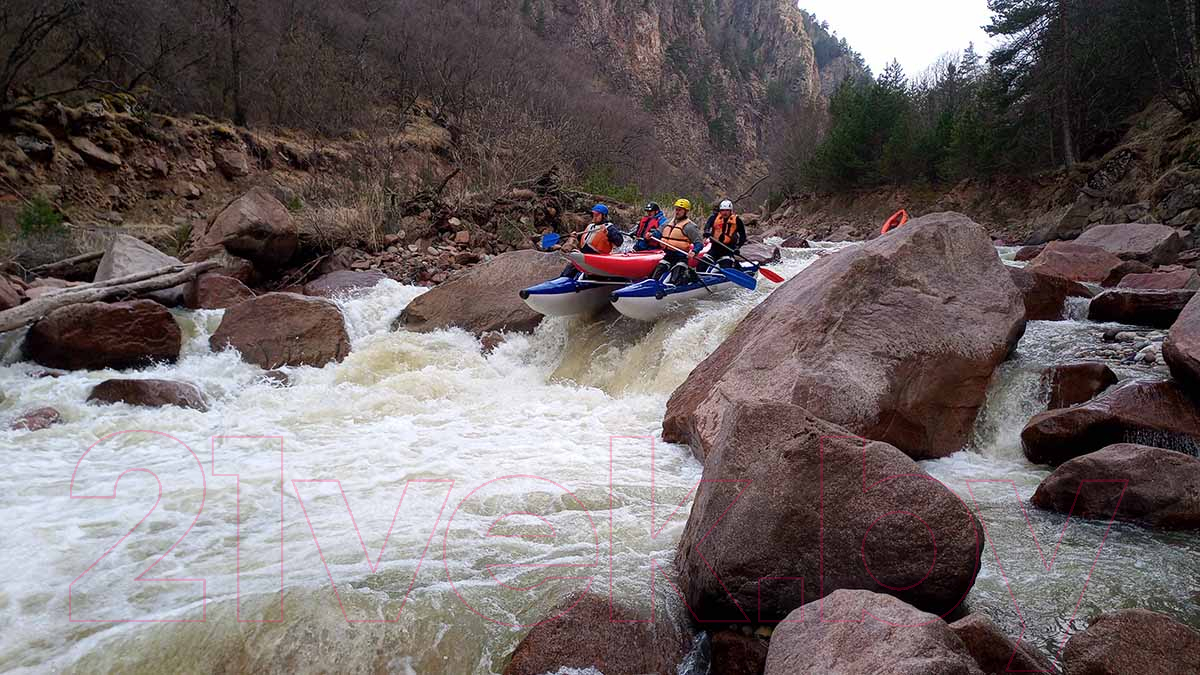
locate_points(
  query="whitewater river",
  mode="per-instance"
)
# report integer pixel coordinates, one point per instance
(492, 480)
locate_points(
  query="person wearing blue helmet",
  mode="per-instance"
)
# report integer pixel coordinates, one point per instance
(600, 237)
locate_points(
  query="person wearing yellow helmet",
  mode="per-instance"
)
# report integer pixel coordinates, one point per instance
(682, 240)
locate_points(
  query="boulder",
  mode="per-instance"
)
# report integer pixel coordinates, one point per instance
(1159, 309)
(1074, 261)
(127, 255)
(216, 291)
(255, 226)
(761, 253)
(36, 420)
(11, 294)
(484, 298)
(796, 241)
(1163, 487)
(1126, 268)
(860, 644)
(344, 284)
(1077, 383)
(1133, 641)
(995, 652)
(284, 329)
(95, 155)
(786, 463)
(1177, 280)
(149, 393)
(1133, 411)
(1045, 295)
(586, 635)
(1027, 253)
(896, 340)
(1065, 222)
(734, 653)
(1181, 351)
(98, 335)
(234, 267)
(1148, 243)
(232, 162)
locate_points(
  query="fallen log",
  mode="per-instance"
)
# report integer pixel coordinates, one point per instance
(72, 269)
(129, 285)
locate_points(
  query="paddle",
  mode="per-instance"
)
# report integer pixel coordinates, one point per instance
(736, 276)
(769, 274)
(549, 240)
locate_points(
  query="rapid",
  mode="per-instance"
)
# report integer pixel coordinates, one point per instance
(439, 498)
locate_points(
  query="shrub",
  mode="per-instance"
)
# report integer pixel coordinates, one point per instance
(40, 217)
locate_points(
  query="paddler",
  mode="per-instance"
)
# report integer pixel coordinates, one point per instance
(654, 219)
(682, 242)
(727, 232)
(600, 237)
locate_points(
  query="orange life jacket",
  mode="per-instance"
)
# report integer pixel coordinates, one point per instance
(596, 238)
(674, 235)
(725, 229)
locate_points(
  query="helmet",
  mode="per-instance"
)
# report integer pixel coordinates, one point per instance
(683, 204)
(601, 209)
(726, 206)
(653, 207)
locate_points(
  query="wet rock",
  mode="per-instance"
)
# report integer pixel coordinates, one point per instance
(1163, 487)
(736, 654)
(994, 652)
(36, 420)
(488, 342)
(1045, 295)
(232, 162)
(761, 253)
(127, 255)
(844, 635)
(276, 378)
(1027, 253)
(98, 335)
(586, 635)
(284, 329)
(344, 284)
(1077, 383)
(1154, 308)
(1179, 279)
(1147, 243)
(1140, 411)
(95, 155)
(216, 291)
(852, 340)
(484, 298)
(1133, 641)
(1126, 268)
(801, 481)
(1074, 261)
(149, 393)
(255, 226)
(1181, 351)
(795, 241)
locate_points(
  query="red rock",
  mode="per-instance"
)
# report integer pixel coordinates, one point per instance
(1159, 309)
(1027, 253)
(737, 654)
(994, 652)
(284, 329)
(95, 155)
(1077, 383)
(462, 237)
(1181, 351)
(1045, 295)
(216, 291)
(851, 339)
(232, 162)
(1133, 641)
(36, 420)
(1149, 243)
(127, 255)
(1126, 268)
(344, 284)
(1181, 279)
(1074, 261)
(94, 336)
(11, 295)
(255, 226)
(149, 393)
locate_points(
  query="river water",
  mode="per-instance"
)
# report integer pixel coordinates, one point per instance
(427, 501)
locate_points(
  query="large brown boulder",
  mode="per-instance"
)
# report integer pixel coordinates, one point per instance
(1163, 488)
(910, 643)
(127, 255)
(1074, 261)
(896, 340)
(149, 393)
(995, 652)
(1045, 295)
(484, 298)
(1168, 281)
(255, 226)
(1181, 351)
(344, 283)
(587, 635)
(98, 335)
(1127, 268)
(782, 488)
(11, 293)
(1159, 309)
(1148, 243)
(1133, 641)
(734, 653)
(216, 291)
(1076, 383)
(1155, 412)
(284, 329)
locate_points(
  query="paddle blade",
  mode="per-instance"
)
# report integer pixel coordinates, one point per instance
(740, 278)
(549, 240)
(770, 276)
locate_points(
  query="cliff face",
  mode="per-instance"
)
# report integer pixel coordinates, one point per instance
(717, 74)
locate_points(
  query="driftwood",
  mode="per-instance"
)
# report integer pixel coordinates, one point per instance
(129, 285)
(70, 267)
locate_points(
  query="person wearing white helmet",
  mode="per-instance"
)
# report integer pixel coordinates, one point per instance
(726, 231)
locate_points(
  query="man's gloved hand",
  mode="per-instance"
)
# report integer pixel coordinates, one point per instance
(656, 233)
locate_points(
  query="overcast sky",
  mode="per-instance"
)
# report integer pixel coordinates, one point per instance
(916, 32)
